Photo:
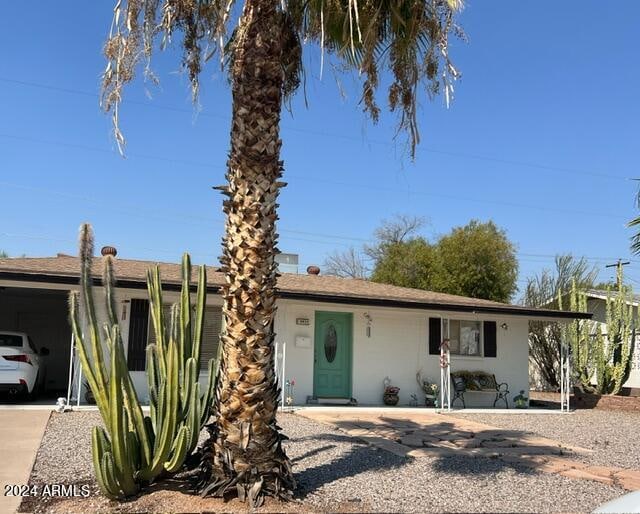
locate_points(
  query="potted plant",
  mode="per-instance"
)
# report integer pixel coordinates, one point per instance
(520, 401)
(430, 390)
(390, 395)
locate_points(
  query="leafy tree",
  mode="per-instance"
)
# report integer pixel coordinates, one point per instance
(3, 254)
(477, 260)
(545, 290)
(408, 264)
(263, 54)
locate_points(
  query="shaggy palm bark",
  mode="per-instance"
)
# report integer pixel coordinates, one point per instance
(244, 455)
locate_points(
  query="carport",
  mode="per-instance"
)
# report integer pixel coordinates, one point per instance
(41, 313)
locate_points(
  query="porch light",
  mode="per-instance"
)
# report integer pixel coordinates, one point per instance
(369, 319)
(504, 326)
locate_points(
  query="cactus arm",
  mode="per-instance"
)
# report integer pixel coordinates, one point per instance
(205, 405)
(153, 382)
(154, 288)
(107, 467)
(99, 446)
(109, 282)
(87, 364)
(86, 281)
(201, 301)
(179, 450)
(129, 397)
(119, 425)
(168, 408)
(189, 380)
(185, 309)
(193, 417)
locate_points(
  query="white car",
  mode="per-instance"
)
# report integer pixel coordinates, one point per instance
(21, 369)
(628, 503)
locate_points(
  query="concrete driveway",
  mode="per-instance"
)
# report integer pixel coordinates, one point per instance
(20, 435)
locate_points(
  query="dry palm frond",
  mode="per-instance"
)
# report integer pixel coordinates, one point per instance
(407, 37)
(134, 28)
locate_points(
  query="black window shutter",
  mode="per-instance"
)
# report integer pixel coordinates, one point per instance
(138, 327)
(490, 346)
(435, 337)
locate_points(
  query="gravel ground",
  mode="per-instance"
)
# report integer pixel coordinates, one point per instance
(335, 473)
(612, 434)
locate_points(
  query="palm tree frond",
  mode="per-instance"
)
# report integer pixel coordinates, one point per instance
(407, 37)
(135, 26)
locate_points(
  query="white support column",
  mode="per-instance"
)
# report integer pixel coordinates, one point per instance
(445, 369)
(565, 377)
(72, 355)
(284, 357)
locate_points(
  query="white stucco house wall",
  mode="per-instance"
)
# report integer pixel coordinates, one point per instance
(343, 337)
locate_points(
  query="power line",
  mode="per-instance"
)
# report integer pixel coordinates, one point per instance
(194, 220)
(320, 179)
(332, 134)
(202, 221)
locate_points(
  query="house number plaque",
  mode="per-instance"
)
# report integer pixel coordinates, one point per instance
(302, 321)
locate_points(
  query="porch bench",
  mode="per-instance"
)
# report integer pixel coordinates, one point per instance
(478, 382)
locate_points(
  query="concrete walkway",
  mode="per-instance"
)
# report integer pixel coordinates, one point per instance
(426, 434)
(20, 435)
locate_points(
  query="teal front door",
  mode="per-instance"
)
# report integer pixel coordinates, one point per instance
(332, 355)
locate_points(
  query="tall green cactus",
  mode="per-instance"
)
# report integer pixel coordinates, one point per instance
(578, 335)
(602, 362)
(615, 352)
(134, 449)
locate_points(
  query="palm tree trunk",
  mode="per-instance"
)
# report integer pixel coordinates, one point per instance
(244, 454)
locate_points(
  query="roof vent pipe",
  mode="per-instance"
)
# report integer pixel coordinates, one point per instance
(109, 250)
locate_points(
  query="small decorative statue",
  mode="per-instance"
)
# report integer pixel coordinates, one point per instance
(390, 396)
(520, 401)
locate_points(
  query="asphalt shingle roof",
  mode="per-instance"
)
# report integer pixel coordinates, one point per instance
(66, 269)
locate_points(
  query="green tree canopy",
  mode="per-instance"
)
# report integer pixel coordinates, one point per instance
(476, 260)
(3, 254)
(409, 263)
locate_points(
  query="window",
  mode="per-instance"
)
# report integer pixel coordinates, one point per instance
(210, 332)
(464, 337)
(10, 340)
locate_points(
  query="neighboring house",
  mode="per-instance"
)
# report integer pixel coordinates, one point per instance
(597, 307)
(343, 336)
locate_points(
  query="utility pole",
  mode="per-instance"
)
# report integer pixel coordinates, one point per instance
(618, 265)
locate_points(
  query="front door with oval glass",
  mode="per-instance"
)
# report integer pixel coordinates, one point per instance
(332, 355)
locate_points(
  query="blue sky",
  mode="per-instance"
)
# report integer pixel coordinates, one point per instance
(542, 138)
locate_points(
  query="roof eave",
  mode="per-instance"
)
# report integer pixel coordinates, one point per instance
(325, 298)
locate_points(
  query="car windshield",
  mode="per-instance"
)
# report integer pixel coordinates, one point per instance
(10, 340)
